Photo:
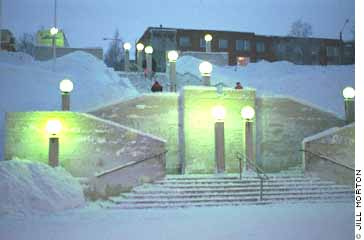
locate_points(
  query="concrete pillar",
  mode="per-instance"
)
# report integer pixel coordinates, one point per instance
(149, 65)
(249, 151)
(127, 61)
(140, 60)
(208, 46)
(206, 80)
(219, 147)
(53, 155)
(172, 76)
(350, 110)
(66, 101)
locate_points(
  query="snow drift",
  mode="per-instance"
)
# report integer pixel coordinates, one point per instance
(28, 85)
(319, 85)
(31, 187)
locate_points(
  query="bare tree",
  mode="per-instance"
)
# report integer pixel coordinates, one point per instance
(115, 53)
(26, 43)
(300, 29)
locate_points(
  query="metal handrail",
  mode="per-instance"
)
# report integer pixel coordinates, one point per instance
(128, 164)
(260, 172)
(327, 159)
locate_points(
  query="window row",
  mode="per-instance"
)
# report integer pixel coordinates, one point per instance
(240, 45)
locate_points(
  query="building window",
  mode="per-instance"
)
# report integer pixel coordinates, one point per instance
(260, 46)
(202, 43)
(184, 42)
(332, 51)
(242, 45)
(223, 43)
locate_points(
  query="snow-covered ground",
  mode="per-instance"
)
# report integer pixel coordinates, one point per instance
(29, 188)
(318, 85)
(27, 85)
(284, 222)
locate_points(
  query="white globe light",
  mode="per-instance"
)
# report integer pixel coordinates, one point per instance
(172, 56)
(140, 46)
(53, 126)
(205, 68)
(127, 46)
(148, 49)
(208, 37)
(218, 113)
(54, 31)
(66, 86)
(247, 113)
(349, 93)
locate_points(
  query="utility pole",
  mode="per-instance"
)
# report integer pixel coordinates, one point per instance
(54, 36)
(1, 23)
(341, 41)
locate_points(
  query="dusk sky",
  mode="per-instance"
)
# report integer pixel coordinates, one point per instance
(86, 22)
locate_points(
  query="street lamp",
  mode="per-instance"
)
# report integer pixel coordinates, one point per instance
(148, 52)
(349, 100)
(172, 57)
(205, 70)
(248, 113)
(54, 32)
(53, 128)
(140, 47)
(66, 86)
(208, 39)
(127, 47)
(218, 113)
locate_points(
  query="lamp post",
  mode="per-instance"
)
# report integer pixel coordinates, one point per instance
(218, 113)
(54, 32)
(53, 128)
(208, 39)
(127, 47)
(172, 57)
(66, 86)
(349, 100)
(205, 70)
(1, 21)
(148, 52)
(140, 48)
(247, 113)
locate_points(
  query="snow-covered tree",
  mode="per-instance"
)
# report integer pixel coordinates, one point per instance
(115, 53)
(26, 43)
(300, 29)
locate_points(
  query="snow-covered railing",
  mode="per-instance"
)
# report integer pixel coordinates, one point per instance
(128, 164)
(319, 155)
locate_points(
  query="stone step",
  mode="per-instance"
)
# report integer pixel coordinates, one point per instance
(232, 201)
(244, 181)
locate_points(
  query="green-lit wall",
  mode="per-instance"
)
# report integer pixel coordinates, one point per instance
(197, 127)
(44, 38)
(87, 144)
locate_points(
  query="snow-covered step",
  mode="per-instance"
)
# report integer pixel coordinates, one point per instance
(246, 179)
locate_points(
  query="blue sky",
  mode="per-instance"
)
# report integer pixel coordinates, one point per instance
(86, 22)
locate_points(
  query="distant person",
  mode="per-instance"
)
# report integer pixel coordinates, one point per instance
(156, 87)
(238, 86)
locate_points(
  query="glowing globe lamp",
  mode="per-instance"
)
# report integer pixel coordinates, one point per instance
(148, 49)
(140, 46)
(66, 86)
(208, 37)
(53, 127)
(205, 68)
(218, 113)
(349, 93)
(247, 113)
(127, 46)
(172, 56)
(54, 31)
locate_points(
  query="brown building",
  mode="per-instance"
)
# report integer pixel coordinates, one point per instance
(308, 51)
(7, 40)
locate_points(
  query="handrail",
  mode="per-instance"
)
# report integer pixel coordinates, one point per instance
(258, 170)
(327, 159)
(128, 164)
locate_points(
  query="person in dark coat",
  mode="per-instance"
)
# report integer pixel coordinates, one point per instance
(157, 87)
(238, 86)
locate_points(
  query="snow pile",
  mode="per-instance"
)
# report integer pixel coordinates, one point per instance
(29, 187)
(27, 85)
(319, 85)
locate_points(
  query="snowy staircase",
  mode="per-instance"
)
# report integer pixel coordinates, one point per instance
(177, 191)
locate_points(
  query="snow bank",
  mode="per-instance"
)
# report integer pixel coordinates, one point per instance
(319, 85)
(27, 85)
(29, 187)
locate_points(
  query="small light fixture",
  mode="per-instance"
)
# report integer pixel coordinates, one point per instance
(127, 46)
(205, 68)
(247, 113)
(349, 93)
(66, 86)
(148, 49)
(53, 31)
(172, 56)
(140, 46)
(218, 112)
(208, 38)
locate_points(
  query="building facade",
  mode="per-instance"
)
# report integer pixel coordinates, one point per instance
(239, 45)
